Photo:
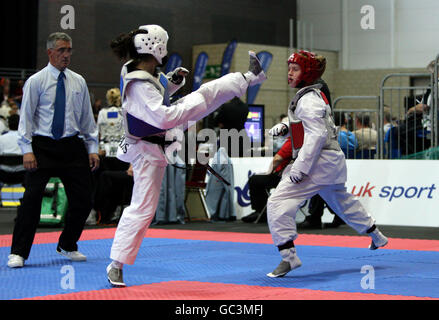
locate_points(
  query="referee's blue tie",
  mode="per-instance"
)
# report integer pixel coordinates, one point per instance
(60, 108)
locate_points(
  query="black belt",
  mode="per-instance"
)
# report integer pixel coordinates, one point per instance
(160, 140)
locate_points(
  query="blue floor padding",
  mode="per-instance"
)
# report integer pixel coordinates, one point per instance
(397, 272)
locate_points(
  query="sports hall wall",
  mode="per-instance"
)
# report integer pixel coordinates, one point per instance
(188, 23)
(259, 25)
(275, 93)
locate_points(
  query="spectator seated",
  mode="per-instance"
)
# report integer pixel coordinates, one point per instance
(391, 149)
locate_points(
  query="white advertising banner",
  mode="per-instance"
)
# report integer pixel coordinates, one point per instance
(243, 168)
(395, 192)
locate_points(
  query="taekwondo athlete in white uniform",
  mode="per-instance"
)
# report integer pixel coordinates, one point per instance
(318, 167)
(148, 116)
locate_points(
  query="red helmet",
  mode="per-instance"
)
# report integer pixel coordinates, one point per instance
(312, 68)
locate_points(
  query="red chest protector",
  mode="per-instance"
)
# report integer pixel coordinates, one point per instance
(296, 127)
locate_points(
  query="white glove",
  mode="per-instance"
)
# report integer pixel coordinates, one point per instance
(296, 176)
(279, 129)
(178, 75)
(255, 74)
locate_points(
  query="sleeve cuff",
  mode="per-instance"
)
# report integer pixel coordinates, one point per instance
(27, 148)
(91, 148)
(301, 166)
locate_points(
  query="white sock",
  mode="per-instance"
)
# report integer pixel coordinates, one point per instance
(376, 233)
(117, 264)
(288, 254)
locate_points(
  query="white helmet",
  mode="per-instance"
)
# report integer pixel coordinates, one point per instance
(154, 42)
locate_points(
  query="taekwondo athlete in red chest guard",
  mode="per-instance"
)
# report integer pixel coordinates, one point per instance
(318, 167)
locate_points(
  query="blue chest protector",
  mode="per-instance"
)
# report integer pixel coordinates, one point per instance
(136, 128)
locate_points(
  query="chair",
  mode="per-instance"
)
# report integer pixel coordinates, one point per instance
(11, 194)
(263, 211)
(195, 200)
(12, 189)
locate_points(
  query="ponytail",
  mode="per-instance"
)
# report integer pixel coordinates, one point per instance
(322, 62)
(120, 46)
(123, 45)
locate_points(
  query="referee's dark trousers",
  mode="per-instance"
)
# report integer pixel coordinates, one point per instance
(67, 159)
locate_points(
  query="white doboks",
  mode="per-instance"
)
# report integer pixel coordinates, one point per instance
(191, 108)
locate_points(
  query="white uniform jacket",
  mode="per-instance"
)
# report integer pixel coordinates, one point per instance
(319, 158)
(143, 100)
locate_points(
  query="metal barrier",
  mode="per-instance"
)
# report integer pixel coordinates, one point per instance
(366, 136)
(410, 133)
(435, 93)
(389, 146)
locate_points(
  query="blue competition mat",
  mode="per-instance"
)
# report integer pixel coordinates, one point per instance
(395, 272)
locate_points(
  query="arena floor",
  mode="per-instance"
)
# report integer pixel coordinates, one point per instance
(228, 261)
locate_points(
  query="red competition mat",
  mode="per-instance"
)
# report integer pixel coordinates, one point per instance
(327, 275)
(303, 239)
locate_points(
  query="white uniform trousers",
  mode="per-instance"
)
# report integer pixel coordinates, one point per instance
(287, 198)
(137, 217)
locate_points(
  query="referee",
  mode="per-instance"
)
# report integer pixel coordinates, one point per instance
(59, 138)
